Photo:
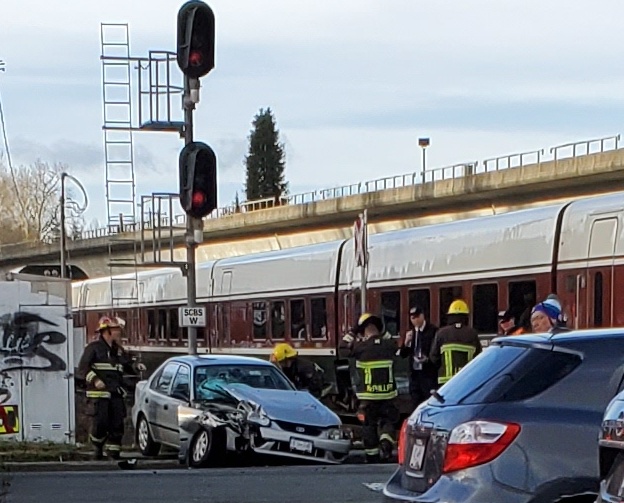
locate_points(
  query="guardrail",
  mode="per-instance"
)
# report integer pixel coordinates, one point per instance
(509, 161)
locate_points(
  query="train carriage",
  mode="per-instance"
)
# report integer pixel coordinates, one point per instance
(309, 295)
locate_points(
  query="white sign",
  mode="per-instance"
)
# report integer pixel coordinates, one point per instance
(192, 316)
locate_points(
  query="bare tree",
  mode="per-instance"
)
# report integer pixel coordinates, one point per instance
(30, 203)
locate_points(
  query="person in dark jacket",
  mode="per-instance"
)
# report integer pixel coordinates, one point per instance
(304, 374)
(456, 344)
(102, 367)
(417, 346)
(375, 385)
(507, 323)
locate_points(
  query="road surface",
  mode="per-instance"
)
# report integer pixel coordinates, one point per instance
(287, 484)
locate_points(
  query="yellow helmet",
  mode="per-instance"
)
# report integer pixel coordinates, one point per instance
(283, 351)
(458, 307)
(367, 318)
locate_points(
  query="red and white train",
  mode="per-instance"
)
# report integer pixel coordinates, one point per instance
(309, 295)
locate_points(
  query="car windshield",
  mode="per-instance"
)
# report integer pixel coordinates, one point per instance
(211, 380)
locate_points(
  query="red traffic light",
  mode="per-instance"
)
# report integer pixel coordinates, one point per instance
(198, 179)
(196, 39)
(198, 199)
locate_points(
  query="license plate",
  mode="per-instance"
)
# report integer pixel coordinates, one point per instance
(300, 445)
(418, 453)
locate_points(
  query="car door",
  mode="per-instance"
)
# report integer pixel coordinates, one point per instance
(158, 403)
(178, 395)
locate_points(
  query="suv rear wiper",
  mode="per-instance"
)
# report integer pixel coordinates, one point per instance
(437, 396)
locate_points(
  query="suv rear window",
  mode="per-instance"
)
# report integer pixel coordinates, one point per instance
(507, 373)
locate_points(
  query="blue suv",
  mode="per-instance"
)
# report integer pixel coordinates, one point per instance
(518, 424)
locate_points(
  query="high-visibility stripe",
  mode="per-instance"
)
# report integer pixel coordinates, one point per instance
(107, 366)
(98, 394)
(113, 447)
(376, 396)
(91, 375)
(386, 436)
(377, 364)
(447, 350)
(96, 440)
(371, 452)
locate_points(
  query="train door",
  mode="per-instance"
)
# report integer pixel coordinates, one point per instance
(223, 312)
(600, 273)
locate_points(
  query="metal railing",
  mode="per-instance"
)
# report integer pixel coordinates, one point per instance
(510, 161)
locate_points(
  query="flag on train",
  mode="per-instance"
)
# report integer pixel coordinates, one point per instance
(360, 238)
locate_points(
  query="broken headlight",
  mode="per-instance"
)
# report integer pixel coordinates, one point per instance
(259, 417)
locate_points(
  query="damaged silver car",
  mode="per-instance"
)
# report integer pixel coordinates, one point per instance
(207, 405)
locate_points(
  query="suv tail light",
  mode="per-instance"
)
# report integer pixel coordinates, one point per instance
(477, 442)
(402, 442)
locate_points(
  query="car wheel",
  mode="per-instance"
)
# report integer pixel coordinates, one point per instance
(144, 439)
(207, 448)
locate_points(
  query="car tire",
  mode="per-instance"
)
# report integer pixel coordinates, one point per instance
(207, 448)
(144, 440)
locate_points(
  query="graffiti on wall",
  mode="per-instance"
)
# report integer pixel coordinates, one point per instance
(25, 340)
(9, 419)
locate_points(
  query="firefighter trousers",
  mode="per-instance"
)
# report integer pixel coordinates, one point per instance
(108, 422)
(380, 419)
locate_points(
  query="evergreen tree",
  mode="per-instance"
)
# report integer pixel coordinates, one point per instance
(265, 160)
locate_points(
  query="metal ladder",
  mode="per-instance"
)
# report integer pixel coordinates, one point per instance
(120, 176)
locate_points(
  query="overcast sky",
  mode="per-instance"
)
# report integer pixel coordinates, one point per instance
(353, 84)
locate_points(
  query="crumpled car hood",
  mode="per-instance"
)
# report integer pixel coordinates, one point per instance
(284, 405)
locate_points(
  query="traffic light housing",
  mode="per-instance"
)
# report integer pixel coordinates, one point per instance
(196, 39)
(198, 179)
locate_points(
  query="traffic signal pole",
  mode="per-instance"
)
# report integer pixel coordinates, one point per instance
(191, 223)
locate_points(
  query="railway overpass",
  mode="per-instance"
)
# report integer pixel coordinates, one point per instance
(460, 191)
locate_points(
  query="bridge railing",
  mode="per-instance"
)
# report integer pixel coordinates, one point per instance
(509, 161)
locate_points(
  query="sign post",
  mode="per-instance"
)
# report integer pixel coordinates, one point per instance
(360, 236)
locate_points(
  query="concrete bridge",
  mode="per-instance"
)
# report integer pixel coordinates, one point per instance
(460, 191)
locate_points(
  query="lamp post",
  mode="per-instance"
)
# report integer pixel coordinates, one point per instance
(423, 143)
(79, 210)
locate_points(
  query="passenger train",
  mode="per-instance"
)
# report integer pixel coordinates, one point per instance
(310, 295)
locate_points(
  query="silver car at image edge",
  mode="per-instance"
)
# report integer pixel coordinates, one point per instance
(207, 405)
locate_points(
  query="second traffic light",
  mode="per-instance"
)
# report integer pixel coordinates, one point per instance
(196, 39)
(198, 179)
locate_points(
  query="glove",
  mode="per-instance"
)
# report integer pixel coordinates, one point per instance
(348, 338)
(99, 384)
(141, 367)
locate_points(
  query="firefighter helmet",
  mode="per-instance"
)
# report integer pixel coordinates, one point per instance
(283, 351)
(458, 307)
(366, 319)
(108, 322)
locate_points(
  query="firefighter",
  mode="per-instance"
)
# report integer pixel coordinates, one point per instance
(375, 385)
(302, 373)
(455, 344)
(102, 367)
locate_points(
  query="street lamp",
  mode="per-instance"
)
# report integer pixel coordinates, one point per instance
(423, 143)
(78, 210)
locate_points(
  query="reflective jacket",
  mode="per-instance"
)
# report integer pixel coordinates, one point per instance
(108, 363)
(374, 367)
(453, 347)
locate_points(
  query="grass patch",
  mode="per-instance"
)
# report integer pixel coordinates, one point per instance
(41, 451)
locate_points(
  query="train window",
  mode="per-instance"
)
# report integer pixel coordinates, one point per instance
(297, 319)
(201, 333)
(598, 299)
(522, 295)
(162, 324)
(259, 320)
(319, 318)
(422, 298)
(485, 308)
(278, 318)
(151, 324)
(447, 295)
(174, 332)
(391, 311)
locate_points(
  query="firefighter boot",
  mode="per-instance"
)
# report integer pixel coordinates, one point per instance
(98, 451)
(385, 450)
